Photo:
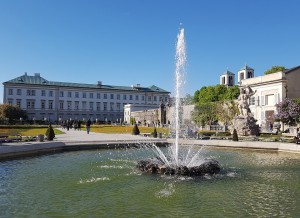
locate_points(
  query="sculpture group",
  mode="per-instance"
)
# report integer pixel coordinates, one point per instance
(244, 123)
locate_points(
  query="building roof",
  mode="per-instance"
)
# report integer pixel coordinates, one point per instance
(227, 72)
(286, 71)
(38, 80)
(246, 68)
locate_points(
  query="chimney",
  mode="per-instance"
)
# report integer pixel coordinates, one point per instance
(99, 83)
(37, 74)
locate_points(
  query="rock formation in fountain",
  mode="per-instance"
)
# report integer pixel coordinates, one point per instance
(244, 123)
(157, 166)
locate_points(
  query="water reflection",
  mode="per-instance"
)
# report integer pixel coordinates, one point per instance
(258, 184)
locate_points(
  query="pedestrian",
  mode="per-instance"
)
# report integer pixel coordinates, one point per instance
(68, 125)
(88, 126)
(271, 127)
(79, 125)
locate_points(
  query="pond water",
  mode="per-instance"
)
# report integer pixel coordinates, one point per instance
(106, 183)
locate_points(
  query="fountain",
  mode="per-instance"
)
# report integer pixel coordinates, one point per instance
(189, 163)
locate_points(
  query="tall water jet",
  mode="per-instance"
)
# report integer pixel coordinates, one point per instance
(179, 79)
(188, 163)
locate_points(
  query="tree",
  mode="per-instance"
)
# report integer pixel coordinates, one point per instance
(288, 111)
(204, 113)
(274, 69)
(154, 133)
(50, 133)
(135, 130)
(232, 93)
(235, 136)
(215, 103)
(216, 93)
(11, 112)
(226, 111)
(132, 120)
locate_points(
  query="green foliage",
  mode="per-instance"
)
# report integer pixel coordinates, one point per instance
(135, 130)
(12, 113)
(232, 93)
(204, 113)
(216, 93)
(215, 103)
(226, 111)
(154, 133)
(235, 136)
(50, 133)
(132, 120)
(274, 69)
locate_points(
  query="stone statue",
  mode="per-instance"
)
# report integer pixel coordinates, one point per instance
(245, 124)
(243, 100)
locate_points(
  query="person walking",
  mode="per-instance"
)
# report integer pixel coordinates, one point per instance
(88, 126)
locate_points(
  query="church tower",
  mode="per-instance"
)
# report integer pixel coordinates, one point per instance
(245, 73)
(227, 78)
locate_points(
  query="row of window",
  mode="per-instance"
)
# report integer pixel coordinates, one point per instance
(270, 100)
(98, 106)
(32, 92)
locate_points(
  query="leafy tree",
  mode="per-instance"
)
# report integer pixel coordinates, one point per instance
(235, 136)
(215, 103)
(196, 97)
(288, 111)
(135, 130)
(132, 120)
(275, 69)
(50, 133)
(204, 113)
(216, 93)
(11, 112)
(226, 111)
(154, 133)
(232, 93)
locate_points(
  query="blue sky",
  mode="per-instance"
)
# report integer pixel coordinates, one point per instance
(125, 42)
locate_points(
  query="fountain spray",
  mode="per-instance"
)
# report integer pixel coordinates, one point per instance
(179, 74)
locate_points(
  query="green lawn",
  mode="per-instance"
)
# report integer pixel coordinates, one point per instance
(25, 131)
(36, 130)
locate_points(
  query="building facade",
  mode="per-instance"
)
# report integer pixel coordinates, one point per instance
(55, 101)
(146, 114)
(269, 90)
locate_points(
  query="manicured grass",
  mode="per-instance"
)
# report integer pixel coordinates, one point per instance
(125, 129)
(36, 130)
(26, 131)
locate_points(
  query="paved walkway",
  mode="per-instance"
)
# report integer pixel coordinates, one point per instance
(74, 140)
(80, 140)
(72, 136)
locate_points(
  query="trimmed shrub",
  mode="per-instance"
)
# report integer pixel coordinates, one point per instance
(135, 130)
(50, 133)
(235, 136)
(154, 133)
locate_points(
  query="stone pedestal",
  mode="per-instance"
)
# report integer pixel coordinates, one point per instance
(245, 125)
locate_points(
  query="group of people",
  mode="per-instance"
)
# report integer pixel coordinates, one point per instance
(76, 125)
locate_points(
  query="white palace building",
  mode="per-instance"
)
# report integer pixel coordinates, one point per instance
(55, 101)
(269, 90)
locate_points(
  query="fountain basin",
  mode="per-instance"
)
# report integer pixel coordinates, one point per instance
(156, 166)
